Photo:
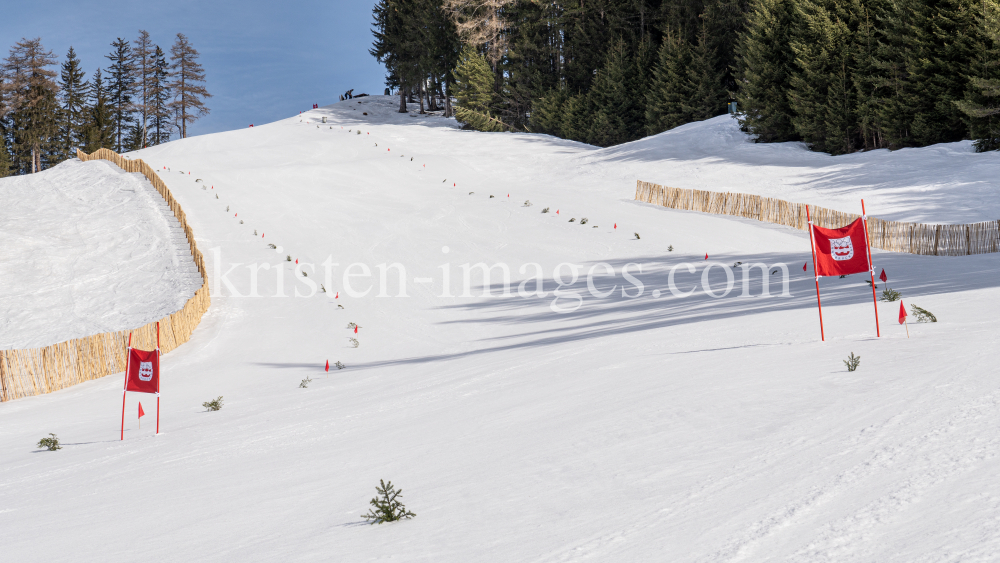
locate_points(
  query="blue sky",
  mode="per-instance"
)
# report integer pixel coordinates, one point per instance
(263, 60)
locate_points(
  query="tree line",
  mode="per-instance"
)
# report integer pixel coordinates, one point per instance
(840, 75)
(140, 99)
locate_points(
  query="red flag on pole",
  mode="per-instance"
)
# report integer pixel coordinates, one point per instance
(883, 277)
(328, 365)
(706, 256)
(142, 375)
(902, 312)
(355, 329)
(141, 413)
(805, 266)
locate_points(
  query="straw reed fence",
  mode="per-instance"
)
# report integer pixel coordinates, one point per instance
(895, 236)
(43, 370)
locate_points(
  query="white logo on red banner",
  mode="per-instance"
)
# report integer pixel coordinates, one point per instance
(841, 248)
(145, 371)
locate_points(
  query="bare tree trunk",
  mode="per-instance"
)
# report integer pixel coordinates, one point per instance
(402, 99)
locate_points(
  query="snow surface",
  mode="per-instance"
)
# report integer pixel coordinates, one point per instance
(87, 248)
(645, 429)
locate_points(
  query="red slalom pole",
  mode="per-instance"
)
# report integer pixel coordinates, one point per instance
(871, 270)
(812, 246)
(158, 377)
(128, 354)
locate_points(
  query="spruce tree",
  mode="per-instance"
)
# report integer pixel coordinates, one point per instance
(547, 112)
(100, 128)
(474, 92)
(980, 104)
(144, 57)
(619, 112)
(73, 105)
(669, 90)
(706, 82)
(160, 90)
(764, 67)
(121, 89)
(187, 84)
(822, 91)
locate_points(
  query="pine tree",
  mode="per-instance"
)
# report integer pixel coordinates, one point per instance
(707, 82)
(100, 128)
(474, 92)
(980, 106)
(615, 96)
(946, 51)
(73, 105)
(29, 96)
(765, 63)
(822, 91)
(547, 113)
(188, 77)
(161, 94)
(669, 88)
(121, 89)
(144, 56)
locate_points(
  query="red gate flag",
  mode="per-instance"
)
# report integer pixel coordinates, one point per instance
(328, 365)
(902, 312)
(143, 373)
(841, 251)
(883, 277)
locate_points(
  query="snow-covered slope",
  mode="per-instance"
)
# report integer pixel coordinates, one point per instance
(87, 248)
(643, 427)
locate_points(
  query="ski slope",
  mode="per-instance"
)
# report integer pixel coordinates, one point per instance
(88, 248)
(631, 428)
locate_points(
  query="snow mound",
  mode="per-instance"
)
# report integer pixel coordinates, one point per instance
(89, 249)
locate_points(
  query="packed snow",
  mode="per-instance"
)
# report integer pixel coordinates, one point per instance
(88, 248)
(642, 426)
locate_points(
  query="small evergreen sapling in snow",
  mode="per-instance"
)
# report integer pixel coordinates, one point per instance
(305, 383)
(572, 220)
(387, 507)
(51, 443)
(922, 315)
(546, 210)
(584, 221)
(637, 237)
(288, 258)
(339, 365)
(889, 294)
(351, 326)
(852, 362)
(670, 248)
(354, 342)
(213, 405)
(527, 203)
(271, 246)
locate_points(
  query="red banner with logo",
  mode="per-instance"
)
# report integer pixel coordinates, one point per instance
(841, 251)
(143, 375)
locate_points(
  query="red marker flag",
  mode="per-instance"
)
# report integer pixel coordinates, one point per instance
(337, 296)
(706, 256)
(141, 413)
(355, 329)
(902, 312)
(296, 260)
(841, 251)
(805, 266)
(883, 277)
(328, 365)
